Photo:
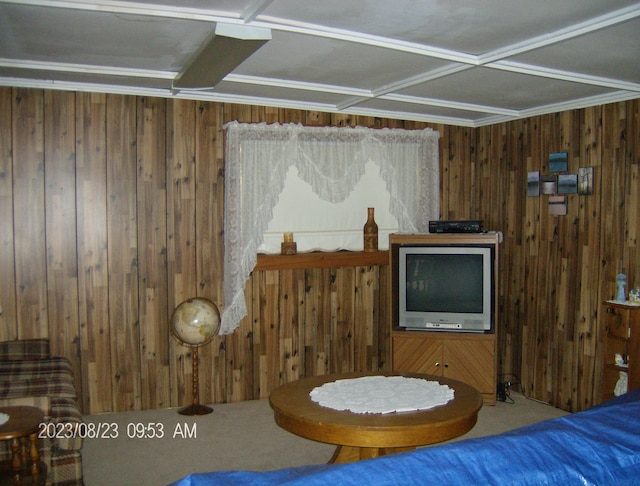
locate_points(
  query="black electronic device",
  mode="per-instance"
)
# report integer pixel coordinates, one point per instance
(472, 226)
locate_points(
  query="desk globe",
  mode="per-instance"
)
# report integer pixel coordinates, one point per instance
(194, 323)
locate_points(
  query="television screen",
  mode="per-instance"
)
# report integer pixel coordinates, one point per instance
(446, 287)
(444, 283)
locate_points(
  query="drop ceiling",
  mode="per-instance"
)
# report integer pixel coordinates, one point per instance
(467, 63)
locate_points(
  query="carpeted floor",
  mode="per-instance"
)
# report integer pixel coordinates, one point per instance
(156, 447)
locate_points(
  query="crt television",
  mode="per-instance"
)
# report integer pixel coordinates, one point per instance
(446, 287)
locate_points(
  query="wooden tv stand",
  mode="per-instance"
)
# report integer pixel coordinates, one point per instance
(467, 357)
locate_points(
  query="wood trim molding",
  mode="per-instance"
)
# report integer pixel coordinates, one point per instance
(322, 260)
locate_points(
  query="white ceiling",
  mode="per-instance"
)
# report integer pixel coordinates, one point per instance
(468, 63)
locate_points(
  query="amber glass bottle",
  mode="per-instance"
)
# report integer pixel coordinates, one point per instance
(370, 232)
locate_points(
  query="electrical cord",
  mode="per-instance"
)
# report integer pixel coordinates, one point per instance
(503, 390)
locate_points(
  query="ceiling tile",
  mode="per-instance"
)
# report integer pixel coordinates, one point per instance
(461, 25)
(98, 38)
(311, 59)
(483, 86)
(603, 53)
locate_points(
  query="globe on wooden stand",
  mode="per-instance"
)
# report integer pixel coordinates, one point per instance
(194, 323)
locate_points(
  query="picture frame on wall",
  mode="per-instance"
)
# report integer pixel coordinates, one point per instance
(548, 184)
(558, 205)
(533, 183)
(585, 181)
(558, 162)
(568, 184)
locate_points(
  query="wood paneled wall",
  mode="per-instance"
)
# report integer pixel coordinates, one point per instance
(555, 270)
(111, 214)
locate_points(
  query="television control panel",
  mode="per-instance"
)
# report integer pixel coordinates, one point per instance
(442, 325)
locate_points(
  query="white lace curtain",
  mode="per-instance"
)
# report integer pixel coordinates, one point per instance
(332, 160)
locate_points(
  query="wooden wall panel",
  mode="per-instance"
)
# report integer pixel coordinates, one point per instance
(383, 332)
(152, 256)
(181, 241)
(269, 318)
(28, 220)
(315, 321)
(116, 205)
(235, 354)
(60, 220)
(122, 237)
(342, 320)
(632, 223)
(8, 316)
(458, 192)
(209, 249)
(288, 325)
(587, 321)
(316, 343)
(514, 228)
(93, 282)
(365, 319)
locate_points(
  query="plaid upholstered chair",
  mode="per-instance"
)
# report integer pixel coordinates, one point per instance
(29, 375)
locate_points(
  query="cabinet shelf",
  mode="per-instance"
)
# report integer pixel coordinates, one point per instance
(614, 337)
(615, 367)
(622, 336)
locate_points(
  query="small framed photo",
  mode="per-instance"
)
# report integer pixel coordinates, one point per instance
(548, 184)
(533, 183)
(558, 161)
(558, 205)
(568, 184)
(585, 181)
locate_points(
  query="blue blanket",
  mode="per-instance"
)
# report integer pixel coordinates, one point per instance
(600, 446)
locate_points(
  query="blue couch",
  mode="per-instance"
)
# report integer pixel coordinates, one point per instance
(600, 446)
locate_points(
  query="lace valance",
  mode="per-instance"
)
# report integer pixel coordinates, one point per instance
(332, 160)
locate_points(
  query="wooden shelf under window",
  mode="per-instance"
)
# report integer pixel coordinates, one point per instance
(322, 260)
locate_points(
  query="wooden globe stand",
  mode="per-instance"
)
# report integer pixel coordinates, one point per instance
(195, 408)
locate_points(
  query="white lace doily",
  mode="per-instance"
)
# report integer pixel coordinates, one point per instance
(4, 418)
(382, 394)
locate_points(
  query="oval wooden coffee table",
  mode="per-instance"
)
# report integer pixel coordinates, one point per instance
(364, 436)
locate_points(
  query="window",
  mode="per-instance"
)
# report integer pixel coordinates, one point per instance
(320, 225)
(260, 158)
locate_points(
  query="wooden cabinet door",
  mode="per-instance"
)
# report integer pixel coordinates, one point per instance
(634, 348)
(466, 359)
(471, 362)
(617, 322)
(417, 355)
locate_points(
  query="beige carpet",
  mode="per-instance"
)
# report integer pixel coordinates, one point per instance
(235, 436)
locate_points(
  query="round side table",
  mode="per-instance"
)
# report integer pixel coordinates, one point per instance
(22, 429)
(364, 436)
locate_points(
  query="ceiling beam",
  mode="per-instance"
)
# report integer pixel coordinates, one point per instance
(250, 13)
(228, 47)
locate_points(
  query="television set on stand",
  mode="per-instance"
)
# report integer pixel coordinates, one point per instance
(446, 287)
